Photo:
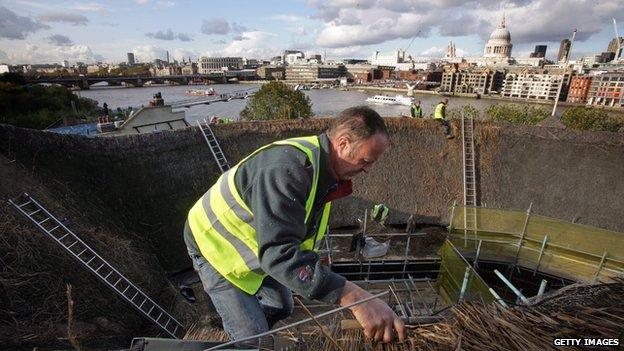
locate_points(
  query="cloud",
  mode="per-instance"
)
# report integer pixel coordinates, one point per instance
(286, 18)
(439, 52)
(215, 26)
(141, 2)
(221, 27)
(13, 26)
(297, 30)
(169, 35)
(256, 44)
(180, 54)
(218, 41)
(369, 22)
(60, 40)
(238, 28)
(184, 37)
(71, 18)
(3, 56)
(36, 54)
(89, 7)
(163, 5)
(148, 53)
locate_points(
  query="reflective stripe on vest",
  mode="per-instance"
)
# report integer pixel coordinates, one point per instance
(438, 111)
(221, 222)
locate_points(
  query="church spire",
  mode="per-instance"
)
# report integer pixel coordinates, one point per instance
(502, 25)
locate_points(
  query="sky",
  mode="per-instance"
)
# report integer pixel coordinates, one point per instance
(38, 31)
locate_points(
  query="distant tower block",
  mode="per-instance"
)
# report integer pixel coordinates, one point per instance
(450, 50)
(131, 58)
(564, 49)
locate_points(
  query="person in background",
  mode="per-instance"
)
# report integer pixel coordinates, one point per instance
(440, 116)
(416, 109)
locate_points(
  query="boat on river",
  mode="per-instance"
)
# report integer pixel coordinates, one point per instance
(201, 92)
(391, 100)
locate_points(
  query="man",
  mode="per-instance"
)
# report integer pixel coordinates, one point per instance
(252, 235)
(440, 116)
(416, 109)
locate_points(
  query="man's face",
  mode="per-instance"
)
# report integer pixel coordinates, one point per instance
(354, 157)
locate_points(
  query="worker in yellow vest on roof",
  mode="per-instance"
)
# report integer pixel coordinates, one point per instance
(440, 116)
(253, 236)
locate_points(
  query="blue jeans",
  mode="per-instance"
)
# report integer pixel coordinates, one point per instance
(242, 314)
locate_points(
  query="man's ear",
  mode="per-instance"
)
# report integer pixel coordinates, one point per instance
(344, 140)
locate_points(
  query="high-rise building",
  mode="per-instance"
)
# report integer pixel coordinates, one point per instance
(539, 52)
(564, 50)
(613, 46)
(131, 58)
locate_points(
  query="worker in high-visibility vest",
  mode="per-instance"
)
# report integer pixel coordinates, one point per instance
(380, 213)
(416, 109)
(440, 116)
(252, 237)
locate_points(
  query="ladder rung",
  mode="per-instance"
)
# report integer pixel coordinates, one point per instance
(126, 289)
(142, 303)
(117, 282)
(102, 265)
(89, 261)
(174, 330)
(135, 294)
(25, 204)
(34, 212)
(151, 309)
(168, 321)
(45, 220)
(108, 275)
(81, 252)
(53, 229)
(63, 237)
(74, 243)
(160, 315)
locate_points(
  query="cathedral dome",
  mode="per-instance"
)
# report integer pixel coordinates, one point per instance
(500, 33)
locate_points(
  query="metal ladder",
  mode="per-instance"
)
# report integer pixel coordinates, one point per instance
(215, 148)
(470, 184)
(94, 263)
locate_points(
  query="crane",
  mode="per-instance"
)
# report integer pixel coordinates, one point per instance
(617, 39)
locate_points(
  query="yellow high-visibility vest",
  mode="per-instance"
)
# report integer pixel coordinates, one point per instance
(438, 111)
(221, 222)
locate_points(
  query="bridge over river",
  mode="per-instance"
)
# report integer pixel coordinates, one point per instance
(84, 82)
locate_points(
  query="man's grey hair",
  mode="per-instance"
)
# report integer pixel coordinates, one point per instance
(360, 122)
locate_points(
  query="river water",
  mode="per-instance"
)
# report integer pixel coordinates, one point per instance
(325, 102)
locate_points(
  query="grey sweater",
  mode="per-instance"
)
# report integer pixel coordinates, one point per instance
(275, 185)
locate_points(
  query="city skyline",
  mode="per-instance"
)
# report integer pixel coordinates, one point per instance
(49, 32)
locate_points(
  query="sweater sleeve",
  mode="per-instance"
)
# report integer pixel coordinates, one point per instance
(279, 193)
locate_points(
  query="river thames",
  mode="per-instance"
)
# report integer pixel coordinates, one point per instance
(325, 102)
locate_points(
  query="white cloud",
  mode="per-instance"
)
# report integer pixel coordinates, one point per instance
(286, 18)
(169, 35)
(36, 54)
(89, 7)
(148, 53)
(437, 52)
(255, 44)
(141, 2)
(215, 26)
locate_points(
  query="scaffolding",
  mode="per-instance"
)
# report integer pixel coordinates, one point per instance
(542, 244)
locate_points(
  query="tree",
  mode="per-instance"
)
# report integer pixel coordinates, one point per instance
(514, 113)
(587, 118)
(276, 100)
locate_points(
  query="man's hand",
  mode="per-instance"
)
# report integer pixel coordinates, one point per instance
(375, 316)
